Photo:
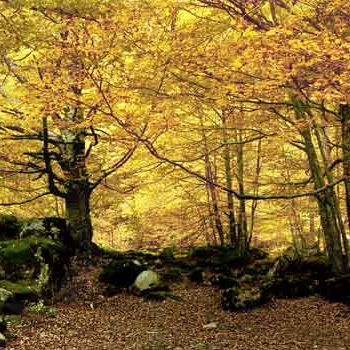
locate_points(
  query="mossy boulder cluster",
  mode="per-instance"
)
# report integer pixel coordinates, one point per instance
(245, 281)
(34, 257)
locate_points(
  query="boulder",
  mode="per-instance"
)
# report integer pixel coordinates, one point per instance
(291, 286)
(54, 228)
(13, 308)
(235, 299)
(32, 259)
(5, 296)
(336, 289)
(172, 275)
(197, 275)
(121, 273)
(216, 257)
(223, 282)
(3, 324)
(2, 341)
(10, 227)
(147, 280)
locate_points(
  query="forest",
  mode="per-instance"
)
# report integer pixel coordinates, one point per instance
(175, 174)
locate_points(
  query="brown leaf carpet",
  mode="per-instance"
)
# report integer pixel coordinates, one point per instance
(85, 320)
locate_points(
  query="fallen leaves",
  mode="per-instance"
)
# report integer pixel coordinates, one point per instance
(126, 322)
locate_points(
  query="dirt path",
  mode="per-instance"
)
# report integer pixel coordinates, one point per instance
(85, 321)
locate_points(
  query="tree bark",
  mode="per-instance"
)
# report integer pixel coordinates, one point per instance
(344, 112)
(232, 234)
(78, 214)
(326, 207)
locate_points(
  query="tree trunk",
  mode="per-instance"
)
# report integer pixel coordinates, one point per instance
(344, 112)
(242, 217)
(77, 186)
(325, 202)
(78, 214)
(232, 234)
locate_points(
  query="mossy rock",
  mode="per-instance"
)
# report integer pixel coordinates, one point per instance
(22, 251)
(293, 287)
(255, 253)
(238, 299)
(223, 281)
(3, 324)
(25, 290)
(54, 228)
(172, 275)
(259, 267)
(167, 255)
(121, 273)
(38, 259)
(314, 267)
(10, 227)
(336, 289)
(197, 275)
(217, 256)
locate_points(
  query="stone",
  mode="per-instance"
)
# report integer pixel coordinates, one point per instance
(234, 299)
(336, 289)
(211, 325)
(147, 280)
(2, 341)
(121, 273)
(223, 282)
(5, 295)
(3, 324)
(13, 308)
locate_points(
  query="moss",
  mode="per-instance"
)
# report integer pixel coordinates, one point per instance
(10, 227)
(22, 290)
(23, 251)
(40, 260)
(173, 274)
(121, 274)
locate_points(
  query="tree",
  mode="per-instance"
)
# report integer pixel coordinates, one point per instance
(79, 80)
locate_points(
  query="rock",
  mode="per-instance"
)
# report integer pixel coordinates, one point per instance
(13, 308)
(336, 289)
(147, 280)
(217, 256)
(197, 275)
(211, 325)
(291, 286)
(5, 295)
(50, 227)
(121, 273)
(246, 278)
(223, 282)
(3, 324)
(315, 267)
(259, 267)
(234, 299)
(2, 341)
(172, 275)
(10, 227)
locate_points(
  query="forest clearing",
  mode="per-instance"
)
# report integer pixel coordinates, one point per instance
(174, 174)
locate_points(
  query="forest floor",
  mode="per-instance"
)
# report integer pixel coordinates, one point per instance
(85, 320)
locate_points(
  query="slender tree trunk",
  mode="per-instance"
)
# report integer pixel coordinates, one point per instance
(344, 112)
(212, 190)
(254, 204)
(326, 207)
(325, 155)
(214, 201)
(232, 234)
(242, 217)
